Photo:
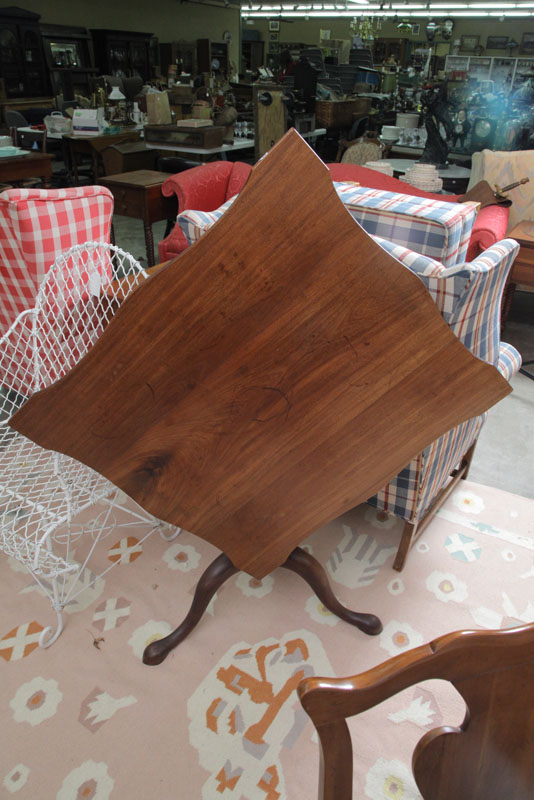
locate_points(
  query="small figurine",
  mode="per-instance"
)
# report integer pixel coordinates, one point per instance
(461, 127)
(435, 108)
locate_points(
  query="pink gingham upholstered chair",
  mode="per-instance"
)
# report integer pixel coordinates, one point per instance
(37, 225)
(468, 295)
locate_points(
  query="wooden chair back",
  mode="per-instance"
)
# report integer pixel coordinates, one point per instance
(490, 756)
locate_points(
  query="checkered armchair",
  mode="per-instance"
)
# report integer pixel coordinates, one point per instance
(468, 296)
(37, 225)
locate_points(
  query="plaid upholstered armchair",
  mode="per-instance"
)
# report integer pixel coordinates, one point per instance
(468, 295)
(37, 225)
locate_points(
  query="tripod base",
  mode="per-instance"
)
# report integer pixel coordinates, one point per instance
(222, 569)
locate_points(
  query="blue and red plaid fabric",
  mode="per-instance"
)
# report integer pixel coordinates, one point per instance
(194, 224)
(468, 295)
(434, 228)
(469, 298)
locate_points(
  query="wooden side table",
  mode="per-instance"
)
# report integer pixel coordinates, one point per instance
(523, 269)
(30, 165)
(138, 194)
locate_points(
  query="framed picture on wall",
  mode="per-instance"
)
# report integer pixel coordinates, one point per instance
(527, 43)
(469, 43)
(496, 42)
(273, 37)
(416, 27)
(274, 24)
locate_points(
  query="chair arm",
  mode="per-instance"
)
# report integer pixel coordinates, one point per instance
(202, 187)
(490, 227)
(173, 244)
(509, 361)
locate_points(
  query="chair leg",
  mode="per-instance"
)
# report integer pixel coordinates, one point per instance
(413, 530)
(407, 539)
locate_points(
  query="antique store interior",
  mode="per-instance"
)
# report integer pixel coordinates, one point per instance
(130, 139)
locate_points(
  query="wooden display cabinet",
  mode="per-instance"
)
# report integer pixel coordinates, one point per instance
(208, 52)
(384, 48)
(182, 53)
(22, 65)
(251, 55)
(123, 54)
(69, 56)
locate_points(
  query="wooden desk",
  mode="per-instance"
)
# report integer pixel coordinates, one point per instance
(523, 269)
(138, 194)
(93, 146)
(30, 165)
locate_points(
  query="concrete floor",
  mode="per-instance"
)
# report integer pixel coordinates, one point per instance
(504, 456)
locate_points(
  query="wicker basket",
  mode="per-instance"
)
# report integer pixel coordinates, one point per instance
(335, 113)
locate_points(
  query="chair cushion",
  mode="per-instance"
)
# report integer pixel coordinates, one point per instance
(194, 224)
(502, 168)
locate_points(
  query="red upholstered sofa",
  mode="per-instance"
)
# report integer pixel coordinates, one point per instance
(208, 186)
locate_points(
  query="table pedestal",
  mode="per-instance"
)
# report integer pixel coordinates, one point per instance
(220, 570)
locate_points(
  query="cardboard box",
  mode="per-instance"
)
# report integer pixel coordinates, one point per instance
(86, 122)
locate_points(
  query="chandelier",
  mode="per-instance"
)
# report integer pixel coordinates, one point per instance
(366, 27)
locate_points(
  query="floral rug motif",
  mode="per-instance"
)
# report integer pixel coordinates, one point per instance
(220, 719)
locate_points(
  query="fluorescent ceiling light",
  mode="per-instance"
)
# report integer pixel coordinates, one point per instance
(472, 10)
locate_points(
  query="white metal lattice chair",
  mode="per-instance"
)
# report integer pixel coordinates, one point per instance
(42, 493)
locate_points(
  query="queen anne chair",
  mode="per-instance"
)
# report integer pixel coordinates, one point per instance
(36, 226)
(44, 494)
(488, 757)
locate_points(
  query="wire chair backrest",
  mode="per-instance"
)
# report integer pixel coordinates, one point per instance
(78, 298)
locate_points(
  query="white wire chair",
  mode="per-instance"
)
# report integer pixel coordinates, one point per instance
(43, 492)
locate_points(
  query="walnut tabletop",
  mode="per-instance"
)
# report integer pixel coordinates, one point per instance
(276, 374)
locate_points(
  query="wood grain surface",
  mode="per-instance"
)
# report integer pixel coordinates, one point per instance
(488, 757)
(274, 375)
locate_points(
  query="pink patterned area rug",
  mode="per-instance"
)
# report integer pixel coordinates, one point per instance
(220, 719)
